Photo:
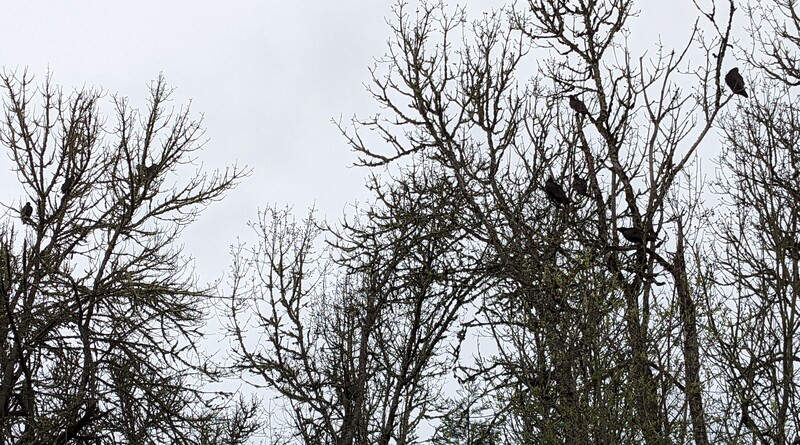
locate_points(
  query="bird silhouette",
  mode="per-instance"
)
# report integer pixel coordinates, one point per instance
(555, 192)
(578, 105)
(26, 212)
(579, 185)
(147, 172)
(735, 82)
(636, 235)
(66, 187)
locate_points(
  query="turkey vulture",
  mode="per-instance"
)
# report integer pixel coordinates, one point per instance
(577, 105)
(579, 185)
(27, 211)
(66, 186)
(147, 172)
(555, 192)
(151, 170)
(636, 235)
(735, 82)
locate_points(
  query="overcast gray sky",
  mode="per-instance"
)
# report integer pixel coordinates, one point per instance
(267, 75)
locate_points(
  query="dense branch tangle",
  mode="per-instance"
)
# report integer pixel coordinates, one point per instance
(476, 236)
(562, 283)
(100, 319)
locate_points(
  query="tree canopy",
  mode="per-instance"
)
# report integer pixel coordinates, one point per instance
(567, 243)
(659, 306)
(101, 322)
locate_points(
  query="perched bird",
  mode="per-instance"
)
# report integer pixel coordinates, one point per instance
(735, 82)
(26, 212)
(579, 185)
(636, 235)
(67, 185)
(578, 105)
(147, 172)
(555, 192)
(151, 170)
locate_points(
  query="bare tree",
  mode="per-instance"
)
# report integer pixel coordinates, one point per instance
(101, 319)
(583, 325)
(537, 184)
(775, 27)
(354, 345)
(758, 267)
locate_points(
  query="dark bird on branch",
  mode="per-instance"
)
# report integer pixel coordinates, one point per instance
(735, 82)
(578, 105)
(147, 173)
(26, 212)
(66, 187)
(579, 185)
(636, 235)
(555, 192)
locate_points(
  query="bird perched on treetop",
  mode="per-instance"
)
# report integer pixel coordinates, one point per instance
(555, 192)
(26, 212)
(579, 185)
(636, 235)
(578, 105)
(735, 82)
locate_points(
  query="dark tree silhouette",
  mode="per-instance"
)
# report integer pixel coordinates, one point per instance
(592, 342)
(101, 320)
